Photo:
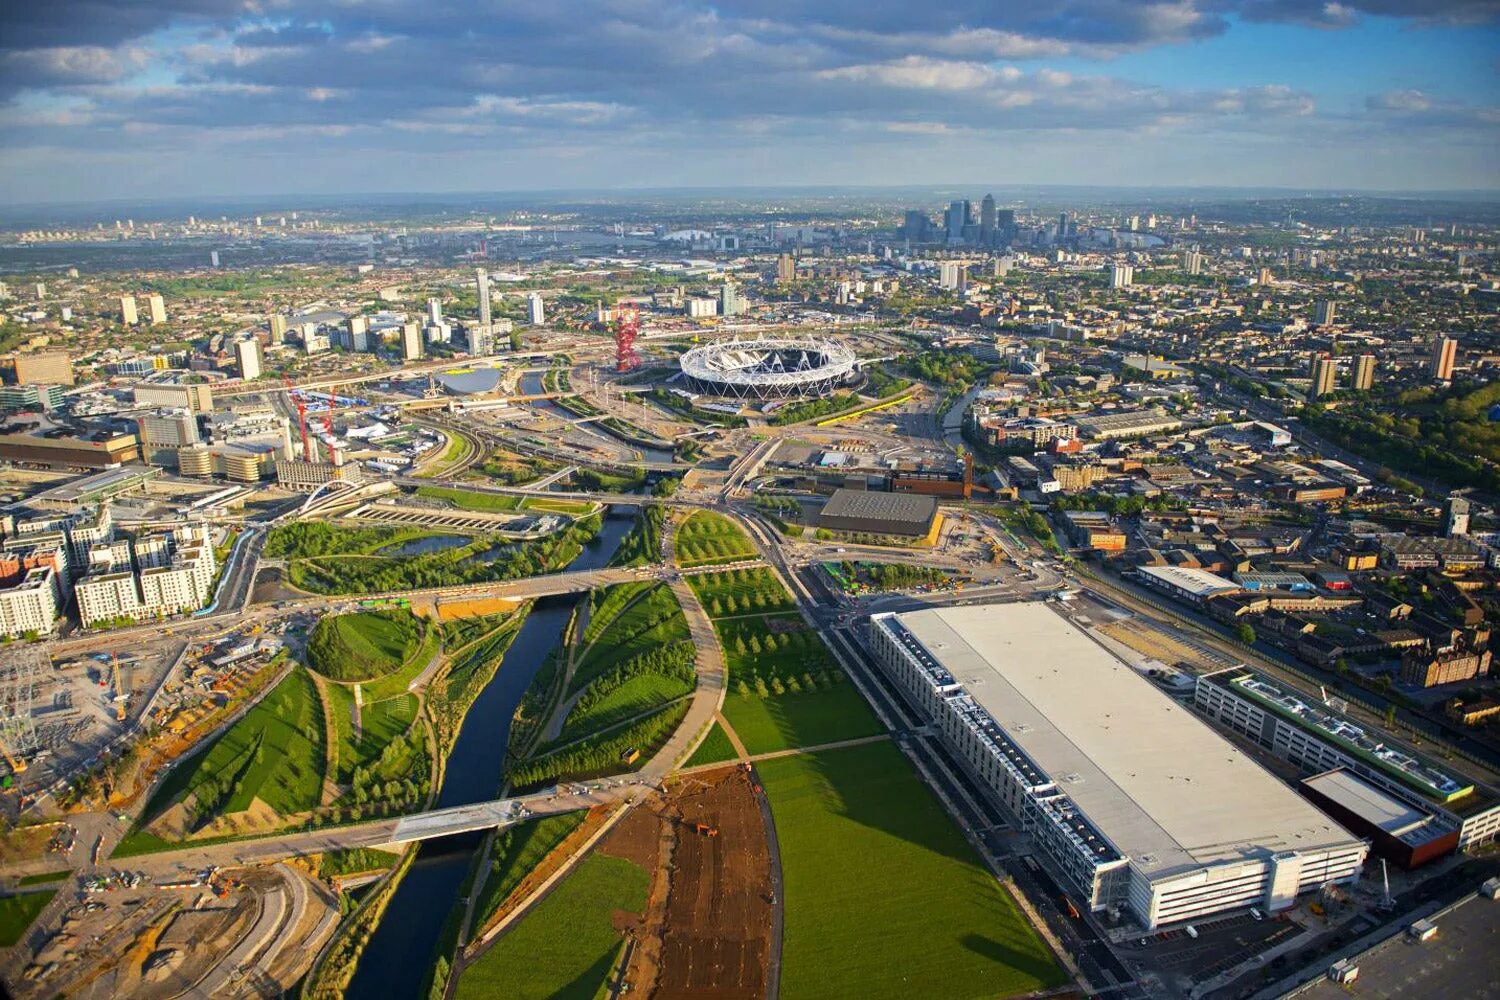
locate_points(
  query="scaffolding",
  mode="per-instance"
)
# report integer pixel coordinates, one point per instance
(21, 671)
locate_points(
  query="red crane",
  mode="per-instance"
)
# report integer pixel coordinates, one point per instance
(333, 396)
(301, 406)
(627, 328)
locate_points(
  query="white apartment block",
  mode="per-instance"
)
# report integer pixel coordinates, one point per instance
(31, 605)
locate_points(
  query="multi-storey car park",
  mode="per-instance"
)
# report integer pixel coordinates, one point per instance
(768, 367)
(1360, 775)
(1136, 803)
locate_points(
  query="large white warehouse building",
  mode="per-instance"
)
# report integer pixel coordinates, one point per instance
(1136, 803)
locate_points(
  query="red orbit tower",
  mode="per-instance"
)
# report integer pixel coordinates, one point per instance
(627, 328)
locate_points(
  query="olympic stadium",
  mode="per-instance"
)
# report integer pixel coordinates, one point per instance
(768, 367)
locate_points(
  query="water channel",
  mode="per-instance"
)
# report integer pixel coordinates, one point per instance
(400, 952)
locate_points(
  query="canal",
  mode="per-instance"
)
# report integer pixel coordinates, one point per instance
(400, 952)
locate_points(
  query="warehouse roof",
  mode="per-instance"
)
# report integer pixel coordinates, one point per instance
(1157, 782)
(1197, 582)
(1380, 809)
(911, 508)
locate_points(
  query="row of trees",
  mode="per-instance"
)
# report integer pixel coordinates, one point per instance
(600, 755)
(807, 683)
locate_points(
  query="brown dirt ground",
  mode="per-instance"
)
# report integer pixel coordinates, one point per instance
(716, 931)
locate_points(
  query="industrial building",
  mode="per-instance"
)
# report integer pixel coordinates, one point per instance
(1317, 739)
(1137, 805)
(908, 515)
(1186, 583)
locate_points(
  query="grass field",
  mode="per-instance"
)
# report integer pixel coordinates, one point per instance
(707, 539)
(380, 722)
(884, 897)
(44, 878)
(471, 499)
(275, 753)
(635, 696)
(652, 621)
(17, 913)
(714, 749)
(355, 861)
(564, 948)
(518, 850)
(805, 719)
(395, 683)
(642, 547)
(742, 591)
(363, 645)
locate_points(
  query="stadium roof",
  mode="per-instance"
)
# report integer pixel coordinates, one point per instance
(1157, 782)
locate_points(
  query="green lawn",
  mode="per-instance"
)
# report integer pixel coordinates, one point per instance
(363, 645)
(781, 722)
(395, 683)
(634, 696)
(771, 646)
(471, 499)
(884, 897)
(714, 749)
(518, 850)
(651, 622)
(380, 722)
(45, 877)
(707, 539)
(566, 946)
(275, 753)
(17, 913)
(742, 591)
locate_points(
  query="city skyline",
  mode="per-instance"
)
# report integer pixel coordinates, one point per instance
(216, 100)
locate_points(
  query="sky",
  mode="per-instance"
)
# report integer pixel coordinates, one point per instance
(150, 99)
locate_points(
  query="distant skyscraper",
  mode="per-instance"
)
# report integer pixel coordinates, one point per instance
(434, 312)
(1264, 277)
(157, 307)
(213, 258)
(950, 274)
(1121, 276)
(1455, 516)
(1192, 262)
(1325, 372)
(1364, 372)
(1325, 313)
(278, 328)
(987, 219)
(1444, 353)
(481, 339)
(127, 310)
(960, 214)
(786, 265)
(536, 309)
(248, 358)
(482, 283)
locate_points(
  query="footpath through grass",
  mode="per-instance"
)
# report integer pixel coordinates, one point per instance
(566, 946)
(884, 897)
(714, 749)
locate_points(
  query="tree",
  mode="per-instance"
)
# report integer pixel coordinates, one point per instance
(1245, 634)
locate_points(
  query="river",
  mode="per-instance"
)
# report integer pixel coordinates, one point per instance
(400, 952)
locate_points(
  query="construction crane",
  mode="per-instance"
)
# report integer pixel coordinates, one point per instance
(333, 395)
(120, 695)
(301, 405)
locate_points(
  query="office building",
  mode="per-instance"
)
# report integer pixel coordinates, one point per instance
(786, 267)
(434, 312)
(1192, 262)
(959, 215)
(14, 398)
(1444, 353)
(50, 367)
(1325, 371)
(536, 309)
(127, 310)
(482, 286)
(1455, 516)
(278, 328)
(1121, 275)
(1364, 372)
(1316, 738)
(1324, 313)
(165, 433)
(411, 342)
(156, 308)
(917, 227)
(1132, 803)
(247, 358)
(987, 219)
